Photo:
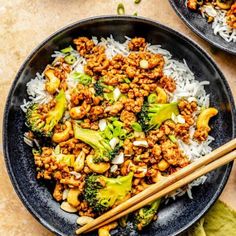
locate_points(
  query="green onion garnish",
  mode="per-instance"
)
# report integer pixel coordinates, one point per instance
(70, 59)
(136, 127)
(172, 138)
(82, 78)
(120, 9)
(67, 50)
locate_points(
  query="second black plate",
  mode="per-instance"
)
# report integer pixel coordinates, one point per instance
(200, 26)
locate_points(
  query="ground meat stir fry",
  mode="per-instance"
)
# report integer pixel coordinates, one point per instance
(114, 117)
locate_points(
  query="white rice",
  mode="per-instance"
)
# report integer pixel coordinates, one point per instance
(219, 24)
(221, 27)
(186, 87)
(114, 47)
(36, 92)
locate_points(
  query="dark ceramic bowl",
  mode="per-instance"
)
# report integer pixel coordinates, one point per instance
(200, 26)
(178, 215)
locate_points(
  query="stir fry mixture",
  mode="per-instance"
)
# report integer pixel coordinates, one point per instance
(222, 13)
(112, 125)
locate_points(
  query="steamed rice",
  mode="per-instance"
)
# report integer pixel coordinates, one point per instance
(219, 24)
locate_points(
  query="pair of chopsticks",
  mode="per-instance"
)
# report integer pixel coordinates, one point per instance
(202, 166)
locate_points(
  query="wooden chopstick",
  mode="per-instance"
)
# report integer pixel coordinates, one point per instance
(202, 171)
(153, 189)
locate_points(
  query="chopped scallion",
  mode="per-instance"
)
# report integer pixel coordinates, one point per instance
(70, 59)
(67, 50)
(117, 123)
(109, 96)
(136, 127)
(127, 81)
(82, 78)
(172, 138)
(107, 133)
(120, 9)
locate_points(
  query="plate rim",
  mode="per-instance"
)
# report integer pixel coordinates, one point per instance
(68, 27)
(197, 32)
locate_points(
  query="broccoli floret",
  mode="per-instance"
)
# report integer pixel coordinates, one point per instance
(103, 150)
(153, 115)
(145, 215)
(43, 124)
(102, 192)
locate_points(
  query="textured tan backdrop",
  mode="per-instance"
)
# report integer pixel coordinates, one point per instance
(23, 25)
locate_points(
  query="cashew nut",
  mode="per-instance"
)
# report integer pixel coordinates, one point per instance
(204, 117)
(64, 135)
(225, 5)
(68, 208)
(79, 112)
(163, 165)
(53, 82)
(161, 95)
(139, 171)
(97, 167)
(72, 197)
(79, 162)
(105, 230)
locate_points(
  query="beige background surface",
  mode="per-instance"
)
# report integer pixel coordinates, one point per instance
(23, 25)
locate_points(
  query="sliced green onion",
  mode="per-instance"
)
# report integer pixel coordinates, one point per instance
(122, 134)
(108, 134)
(117, 123)
(136, 127)
(135, 14)
(111, 88)
(172, 138)
(113, 119)
(137, 1)
(117, 131)
(70, 59)
(109, 96)
(110, 126)
(82, 78)
(152, 98)
(67, 50)
(120, 9)
(127, 81)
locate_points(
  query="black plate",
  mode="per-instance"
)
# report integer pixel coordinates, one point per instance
(175, 217)
(200, 26)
